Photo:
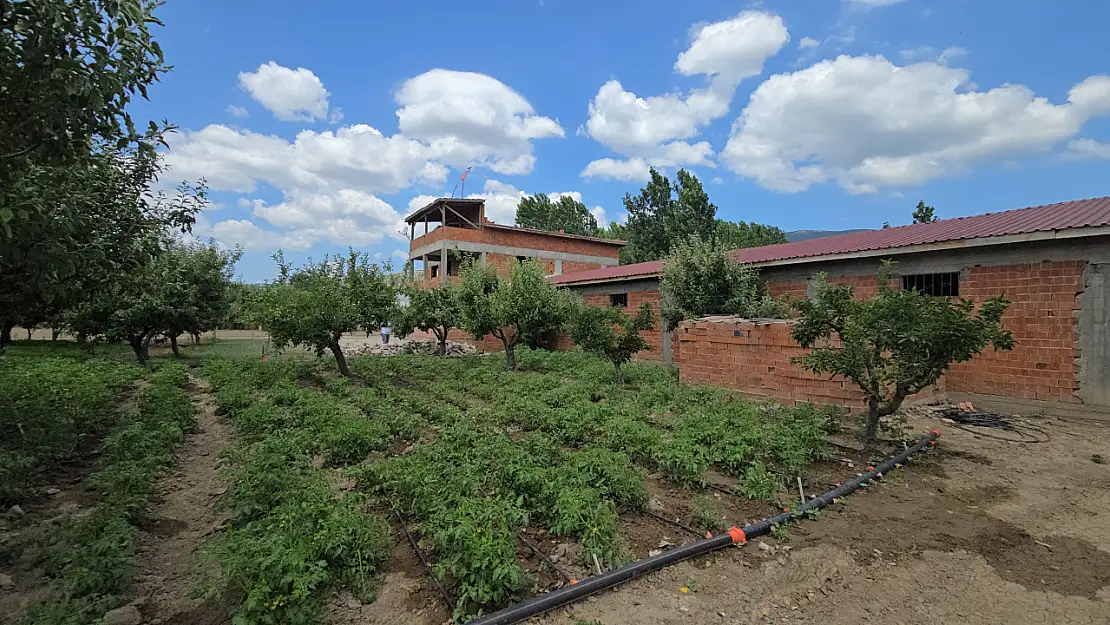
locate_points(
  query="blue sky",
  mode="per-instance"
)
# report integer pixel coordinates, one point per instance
(319, 129)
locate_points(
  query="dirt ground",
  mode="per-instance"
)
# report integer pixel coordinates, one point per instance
(979, 531)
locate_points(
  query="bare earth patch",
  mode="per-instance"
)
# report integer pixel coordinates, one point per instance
(167, 566)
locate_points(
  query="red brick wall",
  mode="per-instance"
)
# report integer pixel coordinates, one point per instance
(1043, 318)
(754, 358)
(792, 288)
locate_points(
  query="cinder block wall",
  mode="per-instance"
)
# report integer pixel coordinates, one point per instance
(753, 357)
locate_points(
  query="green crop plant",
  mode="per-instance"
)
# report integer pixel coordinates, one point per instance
(88, 557)
(760, 484)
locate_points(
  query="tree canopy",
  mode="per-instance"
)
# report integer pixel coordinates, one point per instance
(314, 305)
(924, 214)
(566, 214)
(522, 307)
(700, 279)
(610, 332)
(663, 214)
(735, 235)
(896, 343)
(434, 309)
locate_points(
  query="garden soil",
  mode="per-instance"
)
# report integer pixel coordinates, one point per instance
(978, 532)
(184, 518)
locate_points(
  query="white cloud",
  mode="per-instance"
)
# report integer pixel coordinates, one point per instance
(923, 53)
(1084, 149)
(330, 180)
(867, 123)
(808, 42)
(950, 53)
(472, 119)
(872, 4)
(290, 94)
(599, 214)
(653, 130)
(357, 157)
(631, 170)
(238, 111)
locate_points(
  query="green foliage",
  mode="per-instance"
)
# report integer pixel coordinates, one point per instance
(615, 231)
(610, 332)
(924, 214)
(524, 306)
(662, 215)
(779, 531)
(566, 214)
(435, 309)
(314, 305)
(740, 234)
(707, 515)
(47, 407)
(471, 455)
(88, 558)
(760, 484)
(701, 279)
(290, 538)
(896, 343)
(184, 288)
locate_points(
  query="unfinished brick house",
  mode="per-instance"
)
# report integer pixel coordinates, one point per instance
(1051, 261)
(455, 230)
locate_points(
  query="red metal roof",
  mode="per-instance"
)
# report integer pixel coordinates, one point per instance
(1050, 217)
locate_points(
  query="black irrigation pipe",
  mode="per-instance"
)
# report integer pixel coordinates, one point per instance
(674, 523)
(549, 561)
(427, 567)
(569, 594)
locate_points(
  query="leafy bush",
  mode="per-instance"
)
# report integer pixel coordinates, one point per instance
(610, 332)
(701, 278)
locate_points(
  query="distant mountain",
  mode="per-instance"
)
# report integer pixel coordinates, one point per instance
(805, 235)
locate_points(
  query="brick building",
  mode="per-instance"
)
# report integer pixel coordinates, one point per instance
(454, 230)
(1051, 261)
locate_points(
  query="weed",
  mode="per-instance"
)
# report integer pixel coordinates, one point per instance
(780, 532)
(707, 515)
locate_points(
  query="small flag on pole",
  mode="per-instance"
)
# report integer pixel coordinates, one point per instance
(464, 174)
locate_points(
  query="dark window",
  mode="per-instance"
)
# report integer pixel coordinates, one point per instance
(935, 284)
(618, 299)
(521, 259)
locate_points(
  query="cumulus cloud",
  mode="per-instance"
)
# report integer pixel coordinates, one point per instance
(808, 42)
(237, 111)
(467, 118)
(1087, 149)
(655, 129)
(290, 94)
(868, 123)
(631, 170)
(330, 180)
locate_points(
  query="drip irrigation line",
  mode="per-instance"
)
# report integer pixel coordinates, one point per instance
(674, 523)
(1015, 431)
(735, 536)
(549, 561)
(427, 567)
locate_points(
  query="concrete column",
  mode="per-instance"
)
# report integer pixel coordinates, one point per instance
(443, 264)
(424, 262)
(558, 266)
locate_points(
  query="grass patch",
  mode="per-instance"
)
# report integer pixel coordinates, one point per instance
(88, 559)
